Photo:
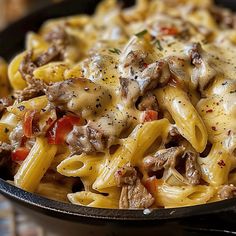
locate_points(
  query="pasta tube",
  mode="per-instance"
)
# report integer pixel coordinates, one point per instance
(132, 150)
(187, 119)
(216, 166)
(35, 165)
(15, 78)
(37, 104)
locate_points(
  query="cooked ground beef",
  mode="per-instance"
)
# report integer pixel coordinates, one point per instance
(135, 196)
(174, 131)
(148, 102)
(87, 139)
(162, 159)
(129, 89)
(174, 138)
(227, 192)
(192, 168)
(16, 136)
(53, 53)
(224, 17)
(204, 70)
(28, 65)
(194, 53)
(139, 72)
(57, 34)
(5, 154)
(6, 102)
(155, 74)
(126, 175)
(62, 92)
(135, 58)
(34, 89)
(79, 95)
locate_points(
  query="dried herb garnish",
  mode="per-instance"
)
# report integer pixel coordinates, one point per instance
(115, 50)
(158, 44)
(141, 33)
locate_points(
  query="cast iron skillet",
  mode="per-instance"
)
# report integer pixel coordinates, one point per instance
(11, 42)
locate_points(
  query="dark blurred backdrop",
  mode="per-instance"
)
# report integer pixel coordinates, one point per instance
(11, 10)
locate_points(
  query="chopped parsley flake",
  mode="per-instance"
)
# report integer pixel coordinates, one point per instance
(158, 44)
(141, 34)
(115, 50)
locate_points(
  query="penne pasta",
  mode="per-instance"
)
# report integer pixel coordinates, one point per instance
(35, 165)
(216, 166)
(5, 130)
(36, 104)
(53, 191)
(15, 78)
(52, 72)
(131, 151)
(187, 119)
(36, 42)
(93, 200)
(129, 108)
(174, 196)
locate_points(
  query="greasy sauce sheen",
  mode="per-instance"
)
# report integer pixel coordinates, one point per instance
(128, 108)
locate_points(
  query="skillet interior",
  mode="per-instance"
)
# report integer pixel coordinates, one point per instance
(11, 42)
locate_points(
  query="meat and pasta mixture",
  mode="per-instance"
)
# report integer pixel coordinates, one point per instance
(129, 108)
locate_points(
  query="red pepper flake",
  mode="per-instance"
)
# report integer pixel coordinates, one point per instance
(210, 110)
(213, 128)
(145, 65)
(221, 163)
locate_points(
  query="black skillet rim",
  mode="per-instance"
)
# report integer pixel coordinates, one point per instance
(76, 212)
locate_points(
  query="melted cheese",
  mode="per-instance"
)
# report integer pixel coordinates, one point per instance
(172, 50)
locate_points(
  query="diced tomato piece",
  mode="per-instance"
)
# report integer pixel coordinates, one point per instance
(59, 130)
(169, 31)
(151, 184)
(20, 154)
(149, 115)
(28, 123)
